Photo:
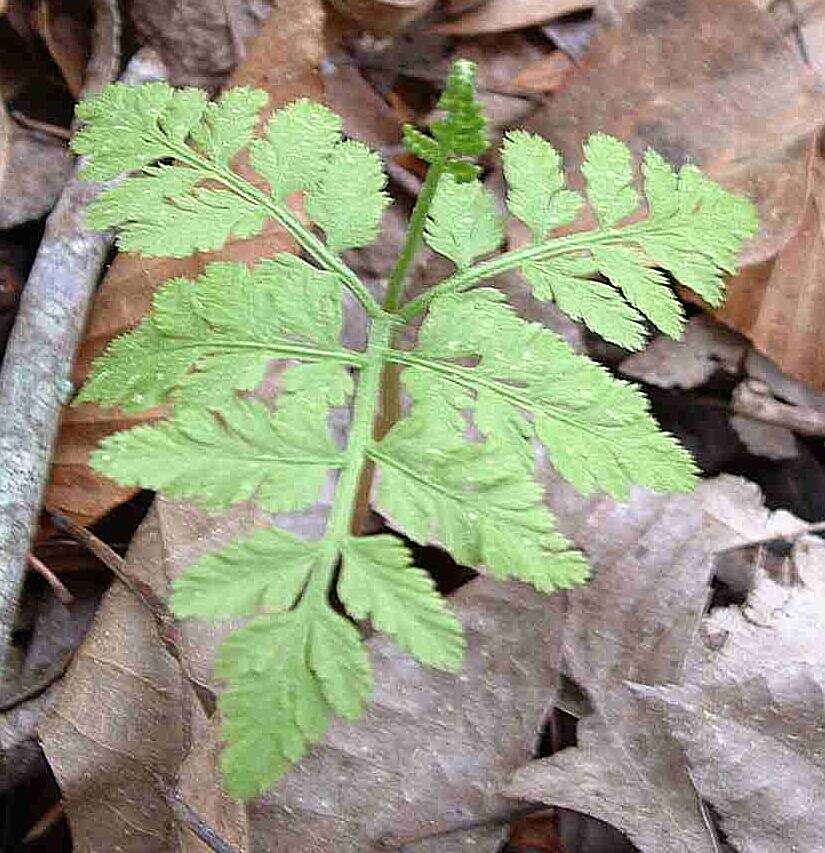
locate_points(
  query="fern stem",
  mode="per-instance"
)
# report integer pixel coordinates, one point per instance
(512, 260)
(365, 403)
(314, 247)
(415, 233)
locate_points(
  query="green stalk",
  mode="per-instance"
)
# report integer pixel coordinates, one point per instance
(415, 233)
(365, 403)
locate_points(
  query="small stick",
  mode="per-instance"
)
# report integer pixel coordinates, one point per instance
(167, 628)
(45, 823)
(186, 815)
(389, 843)
(63, 594)
(41, 126)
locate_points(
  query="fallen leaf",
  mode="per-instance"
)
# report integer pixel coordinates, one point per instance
(716, 84)
(498, 16)
(781, 385)
(704, 349)
(127, 724)
(284, 61)
(768, 440)
(200, 41)
(783, 312)
(384, 16)
(749, 713)
(635, 622)
(38, 167)
(66, 37)
(546, 75)
(500, 59)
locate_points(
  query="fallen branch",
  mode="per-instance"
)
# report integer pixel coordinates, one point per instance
(34, 380)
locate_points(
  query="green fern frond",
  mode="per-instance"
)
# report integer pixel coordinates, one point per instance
(218, 459)
(286, 675)
(537, 194)
(230, 322)
(266, 571)
(462, 133)
(486, 388)
(694, 231)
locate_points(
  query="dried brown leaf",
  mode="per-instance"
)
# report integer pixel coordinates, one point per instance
(782, 309)
(749, 714)
(546, 75)
(127, 725)
(635, 622)
(38, 167)
(66, 37)
(284, 61)
(200, 41)
(499, 16)
(384, 16)
(716, 84)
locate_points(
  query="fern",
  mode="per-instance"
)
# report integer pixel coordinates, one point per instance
(206, 345)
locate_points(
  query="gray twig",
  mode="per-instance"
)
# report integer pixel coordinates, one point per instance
(186, 815)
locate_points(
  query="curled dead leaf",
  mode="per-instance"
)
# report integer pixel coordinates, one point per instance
(749, 713)
(781, 307)
(636, 622)
(384, 16)
(499, 16)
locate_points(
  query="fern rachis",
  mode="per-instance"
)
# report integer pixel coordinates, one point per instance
(204, 348)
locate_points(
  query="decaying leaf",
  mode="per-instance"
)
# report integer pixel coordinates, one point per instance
(635, 623)
(781, 308)
(200, 41)
(548, 74)
(704, 349)
(749, 714)
(384, 16)
(127, 726)
(498, 16)
(284, 61)
(37, 169)
(718, 85)
(66, 37)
